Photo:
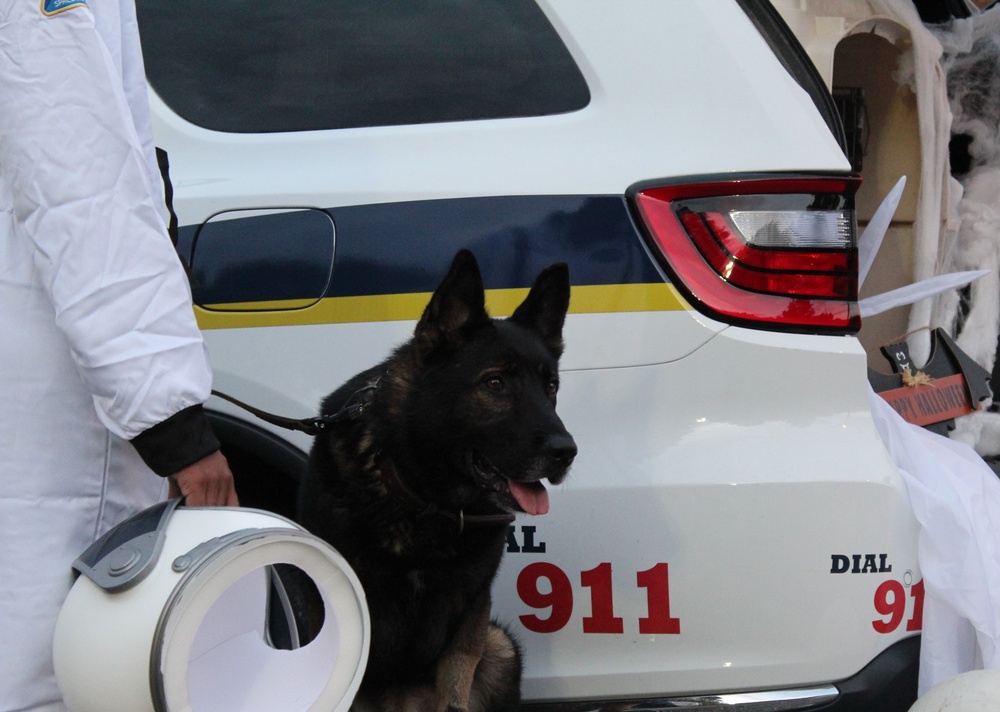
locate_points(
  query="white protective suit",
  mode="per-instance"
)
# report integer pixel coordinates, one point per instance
(98, 342)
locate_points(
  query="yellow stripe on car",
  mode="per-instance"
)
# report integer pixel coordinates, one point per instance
(589, 299)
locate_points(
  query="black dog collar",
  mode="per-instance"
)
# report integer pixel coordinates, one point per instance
(394, 484)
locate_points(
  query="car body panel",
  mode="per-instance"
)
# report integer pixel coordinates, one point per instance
(726, 466)
(746, 505)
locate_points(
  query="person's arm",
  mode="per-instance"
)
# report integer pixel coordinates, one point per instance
(184, 448)
(85, 196)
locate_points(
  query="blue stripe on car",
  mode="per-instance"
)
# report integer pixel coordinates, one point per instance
(405, 247)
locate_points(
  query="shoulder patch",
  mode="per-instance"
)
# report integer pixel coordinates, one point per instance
(54, 7)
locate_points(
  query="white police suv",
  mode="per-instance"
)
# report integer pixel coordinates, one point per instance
(733, 534)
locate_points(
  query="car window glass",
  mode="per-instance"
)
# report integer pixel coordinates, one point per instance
(275, 65)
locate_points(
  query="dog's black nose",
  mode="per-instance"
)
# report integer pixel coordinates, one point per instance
(562, 448)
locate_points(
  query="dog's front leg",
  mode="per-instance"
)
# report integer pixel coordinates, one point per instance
(457, 667)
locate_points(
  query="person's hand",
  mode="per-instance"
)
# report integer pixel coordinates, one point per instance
(206, 483)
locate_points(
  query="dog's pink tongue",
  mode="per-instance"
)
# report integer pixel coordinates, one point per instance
(532, 496)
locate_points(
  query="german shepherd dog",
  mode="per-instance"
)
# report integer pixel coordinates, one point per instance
(458, 430)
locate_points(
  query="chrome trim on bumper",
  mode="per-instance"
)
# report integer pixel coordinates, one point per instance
(770, 701)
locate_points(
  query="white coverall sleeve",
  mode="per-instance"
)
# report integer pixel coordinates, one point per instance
(82, 194)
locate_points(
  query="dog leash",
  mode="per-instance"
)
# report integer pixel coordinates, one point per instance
(353, 409)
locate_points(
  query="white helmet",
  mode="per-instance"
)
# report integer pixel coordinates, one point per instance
(179, 608)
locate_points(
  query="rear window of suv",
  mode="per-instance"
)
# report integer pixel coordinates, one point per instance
(276, 65)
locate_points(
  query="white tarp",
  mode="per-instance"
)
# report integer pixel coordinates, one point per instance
(956, 498)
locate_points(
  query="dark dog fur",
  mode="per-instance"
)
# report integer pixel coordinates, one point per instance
(457, 433)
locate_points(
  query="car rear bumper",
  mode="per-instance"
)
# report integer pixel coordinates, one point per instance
(887, 684)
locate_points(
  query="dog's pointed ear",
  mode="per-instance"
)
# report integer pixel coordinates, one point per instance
(544, 309)
(458, 302)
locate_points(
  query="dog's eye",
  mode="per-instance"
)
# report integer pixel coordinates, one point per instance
(552, 387)
(494, 383)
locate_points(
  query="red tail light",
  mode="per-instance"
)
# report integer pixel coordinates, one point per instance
(777, 253)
